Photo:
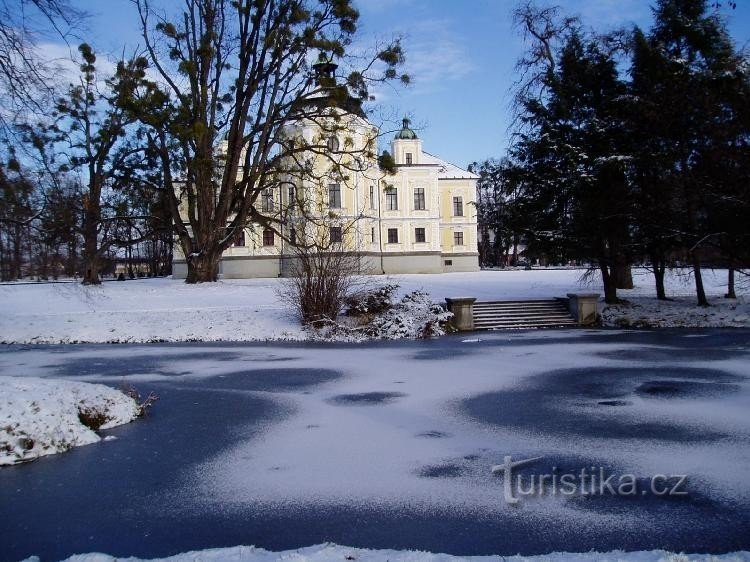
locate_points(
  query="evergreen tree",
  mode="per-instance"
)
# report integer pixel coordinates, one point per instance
(684, 121)
(572, 155)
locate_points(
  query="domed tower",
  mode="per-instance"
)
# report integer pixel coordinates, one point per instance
(406, 146)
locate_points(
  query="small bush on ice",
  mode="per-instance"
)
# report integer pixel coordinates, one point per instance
(143, 405)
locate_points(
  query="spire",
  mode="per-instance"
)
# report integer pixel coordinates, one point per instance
(406, 133)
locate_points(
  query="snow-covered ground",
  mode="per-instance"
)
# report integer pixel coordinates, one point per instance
(41, 416)
(330, 552)
(248, 310)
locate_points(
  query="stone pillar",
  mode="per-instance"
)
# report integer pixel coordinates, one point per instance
(463, 312)
(584, 307)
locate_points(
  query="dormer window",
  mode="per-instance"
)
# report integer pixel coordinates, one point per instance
(408, 159)
(333, 143)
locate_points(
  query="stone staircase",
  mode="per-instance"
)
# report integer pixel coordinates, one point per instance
(550, 313)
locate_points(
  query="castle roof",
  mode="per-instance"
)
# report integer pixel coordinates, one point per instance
(406, 133)
(446, 170)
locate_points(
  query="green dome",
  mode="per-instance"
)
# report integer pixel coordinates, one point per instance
(406, 133)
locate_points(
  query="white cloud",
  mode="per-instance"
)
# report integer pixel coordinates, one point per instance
(67, 60)
(435, 55)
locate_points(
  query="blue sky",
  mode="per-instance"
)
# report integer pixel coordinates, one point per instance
(460, 55)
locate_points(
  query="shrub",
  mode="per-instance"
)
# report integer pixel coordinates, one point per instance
(371, 301)
(416, 316)
(143, 405)
(320, 280)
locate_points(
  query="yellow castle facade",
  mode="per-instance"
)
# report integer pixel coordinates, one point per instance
(420, 219)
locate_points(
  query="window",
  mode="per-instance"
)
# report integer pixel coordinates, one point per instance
(292, 236)
(268, 237)
(334, 196)
(372, 197)
(458, 207)
(372, 234)
(458, 238)
(239, 238)
(419, 235)
(292, 198)
(408, 159)
(267, 200)
(448, 262)
(419, 198)
(393, 235)
(336, 237)
(391, 199)
(333, 143)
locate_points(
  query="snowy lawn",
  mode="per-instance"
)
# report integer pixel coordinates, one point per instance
(249, 310)
(41, 417)
(330, 552)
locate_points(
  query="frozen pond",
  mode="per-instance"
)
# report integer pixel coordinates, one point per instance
(390, 445)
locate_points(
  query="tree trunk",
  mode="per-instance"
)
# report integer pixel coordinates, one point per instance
(17, 257)
(129, 258)
(91, 273)
(92, 214)
(730, 284)
(659, 272)
(91, 256)
(699, 290)
(610, 287)
(203, 268)
(623, 275)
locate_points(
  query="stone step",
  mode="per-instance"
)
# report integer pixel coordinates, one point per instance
(523, 307)
(547, 310)
(516, 325)
(495, 319)
(511, 319)
(533, 301)
(534, 313)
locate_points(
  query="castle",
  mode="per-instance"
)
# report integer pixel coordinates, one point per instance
(420, 219)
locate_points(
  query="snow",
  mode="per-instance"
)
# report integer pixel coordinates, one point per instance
(41, 417)
(680, 312)
(328, 552)
(332, 452)
(328, 452)
(250, 310)
(447, 170)
(642, 310)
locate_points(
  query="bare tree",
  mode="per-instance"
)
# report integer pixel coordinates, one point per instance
(26, 77)
(544, 30)
(95, 136)
(232, 75)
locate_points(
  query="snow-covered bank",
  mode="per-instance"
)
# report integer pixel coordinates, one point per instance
(681, 312)
(41, 417)
(250, 310)
(331, 552)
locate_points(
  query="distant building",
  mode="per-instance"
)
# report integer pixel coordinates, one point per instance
(420, 220)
